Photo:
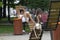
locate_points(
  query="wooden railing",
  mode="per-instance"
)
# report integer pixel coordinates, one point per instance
(53, 19)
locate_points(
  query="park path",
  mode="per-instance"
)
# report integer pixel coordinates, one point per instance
(46, 36)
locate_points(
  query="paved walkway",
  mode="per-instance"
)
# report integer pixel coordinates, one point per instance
(46, 36)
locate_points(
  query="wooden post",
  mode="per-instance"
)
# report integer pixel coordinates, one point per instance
(56, 33)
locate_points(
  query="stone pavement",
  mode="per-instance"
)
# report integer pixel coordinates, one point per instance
(46, 36)
(16, 37)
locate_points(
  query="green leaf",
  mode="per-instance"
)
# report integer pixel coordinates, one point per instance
(0, 4)
(43, 4)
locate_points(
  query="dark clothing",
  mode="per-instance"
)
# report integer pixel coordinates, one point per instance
(25, 24)
(44, 18)
(44, 26)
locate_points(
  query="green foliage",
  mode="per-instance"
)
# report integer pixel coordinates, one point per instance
(6, 29)
(0, 4)
(0, 0)
(12, 3)
(44, 4)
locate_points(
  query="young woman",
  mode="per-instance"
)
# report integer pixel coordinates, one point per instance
(39, 13)
(25, 16)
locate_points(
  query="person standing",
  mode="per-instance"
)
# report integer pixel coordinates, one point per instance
(44, 18)
(37, 30)
(25, 16)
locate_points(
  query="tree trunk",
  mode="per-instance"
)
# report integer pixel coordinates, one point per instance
(9, 11)
(0, 12)
(4, 8)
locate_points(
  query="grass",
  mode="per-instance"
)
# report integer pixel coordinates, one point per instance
(6, 29)
(6, 19)
(27, 29)
(10, 29)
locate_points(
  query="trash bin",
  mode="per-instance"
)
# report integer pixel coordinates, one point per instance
(17, 26)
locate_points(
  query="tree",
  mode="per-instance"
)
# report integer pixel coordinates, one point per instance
(4, 8)
(9, 4)
(43, 4)
(0, 9)
(0, 3)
